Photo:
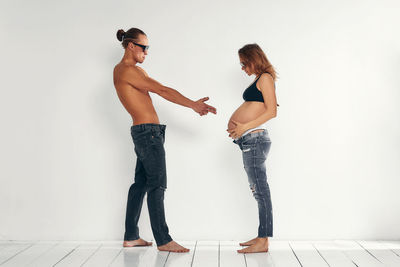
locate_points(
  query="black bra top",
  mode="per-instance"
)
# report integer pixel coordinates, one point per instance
(252, 93)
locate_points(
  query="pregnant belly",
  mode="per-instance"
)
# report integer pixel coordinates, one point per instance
(247, 112)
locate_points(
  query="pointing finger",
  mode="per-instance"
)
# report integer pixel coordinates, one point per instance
(212, 109)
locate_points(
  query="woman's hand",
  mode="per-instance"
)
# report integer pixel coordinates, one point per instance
(238, 130)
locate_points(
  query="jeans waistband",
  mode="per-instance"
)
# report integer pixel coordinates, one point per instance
(148, 126)
(250, 136)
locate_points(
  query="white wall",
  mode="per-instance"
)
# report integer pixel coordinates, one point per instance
(66, 151)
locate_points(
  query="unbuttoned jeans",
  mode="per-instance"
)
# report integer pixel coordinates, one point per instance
(150, 178)
(255, 148)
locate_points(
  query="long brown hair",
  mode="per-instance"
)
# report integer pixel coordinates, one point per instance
(253, 55)
(131, 35)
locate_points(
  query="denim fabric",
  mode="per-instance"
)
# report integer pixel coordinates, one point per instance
(150, 178)
(255, 148)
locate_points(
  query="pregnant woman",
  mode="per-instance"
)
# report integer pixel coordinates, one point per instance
(247, 127)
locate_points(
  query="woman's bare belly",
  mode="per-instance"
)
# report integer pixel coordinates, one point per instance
(247, 112)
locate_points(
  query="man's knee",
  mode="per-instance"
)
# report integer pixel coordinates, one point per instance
(138, 186)
(152, 187)
(156, 182)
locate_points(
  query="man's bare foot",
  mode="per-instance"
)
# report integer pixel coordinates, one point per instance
(137, 243)
(249, 243)
(260, 245)
(173, 247)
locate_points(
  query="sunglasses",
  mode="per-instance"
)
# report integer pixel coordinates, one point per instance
(144, 47)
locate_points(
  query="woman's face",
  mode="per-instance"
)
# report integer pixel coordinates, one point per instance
(246, 67)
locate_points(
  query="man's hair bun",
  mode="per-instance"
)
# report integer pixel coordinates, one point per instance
(120, 35)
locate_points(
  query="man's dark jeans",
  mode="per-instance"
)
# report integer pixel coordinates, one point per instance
(150, 178)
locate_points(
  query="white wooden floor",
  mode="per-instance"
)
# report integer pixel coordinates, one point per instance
(202, 253)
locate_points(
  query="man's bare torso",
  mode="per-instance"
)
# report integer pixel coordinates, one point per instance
(137, 102)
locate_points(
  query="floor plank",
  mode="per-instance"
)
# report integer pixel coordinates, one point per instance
(30, 254)
(107, 252)
(4, 244)
(393, 246)
(130, 256)
(206, 254)
(282, 254)
(357, 254)
(379, 251)
(332, 254)
(182, 259)
(307, 254)
(11, 250)
(79, 255)
(228, 255)
(259, 259)
(55, 254)
(154, 258)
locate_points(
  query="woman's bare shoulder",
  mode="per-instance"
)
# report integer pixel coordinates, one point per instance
(265, 81)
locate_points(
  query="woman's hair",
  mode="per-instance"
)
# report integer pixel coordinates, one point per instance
(252, 55)
(131, 35)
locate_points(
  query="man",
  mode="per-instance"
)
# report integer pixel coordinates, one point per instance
(133, 86)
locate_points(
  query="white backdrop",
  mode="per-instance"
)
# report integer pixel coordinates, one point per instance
(66, 151)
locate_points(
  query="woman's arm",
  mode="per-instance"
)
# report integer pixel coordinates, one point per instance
(267, 88)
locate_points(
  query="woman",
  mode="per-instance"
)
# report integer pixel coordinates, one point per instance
(247, 127)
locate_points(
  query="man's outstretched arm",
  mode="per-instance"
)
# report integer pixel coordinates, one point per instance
(139, 80)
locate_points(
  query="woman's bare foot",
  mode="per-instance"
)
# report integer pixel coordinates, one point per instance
(260, 245)
(249, 243)
(173, 247)
(137, 243)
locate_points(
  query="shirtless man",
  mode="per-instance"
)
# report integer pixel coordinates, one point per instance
(133, 86)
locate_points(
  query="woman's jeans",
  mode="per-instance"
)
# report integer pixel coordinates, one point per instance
(255, 148)
(150, 178)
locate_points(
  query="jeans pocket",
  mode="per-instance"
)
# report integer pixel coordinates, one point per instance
(140, 149)
(141, 142)
(157, 138)
(247, 148)
(249, 141)
(140, 135)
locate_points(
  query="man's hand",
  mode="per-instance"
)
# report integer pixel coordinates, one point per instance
(202, 108)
